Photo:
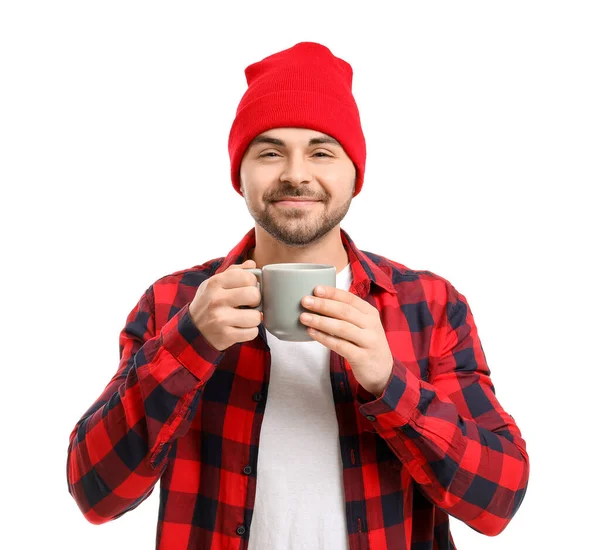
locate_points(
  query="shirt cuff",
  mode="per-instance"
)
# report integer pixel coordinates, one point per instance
(398, 402)
(185, 342)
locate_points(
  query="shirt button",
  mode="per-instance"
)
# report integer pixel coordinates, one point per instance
(247, 470)
(257, 396)
(371, 418)
(240, 530)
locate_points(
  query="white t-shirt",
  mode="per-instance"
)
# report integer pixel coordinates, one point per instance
(299, 482)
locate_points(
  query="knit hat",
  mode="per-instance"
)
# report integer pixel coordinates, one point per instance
(305, 86)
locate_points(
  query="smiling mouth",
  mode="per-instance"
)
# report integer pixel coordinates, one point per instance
(298, 204)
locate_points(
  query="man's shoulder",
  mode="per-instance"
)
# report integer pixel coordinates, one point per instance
(403, 276)
(190, 276)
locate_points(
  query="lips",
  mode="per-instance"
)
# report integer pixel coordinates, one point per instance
(296, 203)
(296, 200)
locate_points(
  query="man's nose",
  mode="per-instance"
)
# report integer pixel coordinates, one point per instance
(297, 169)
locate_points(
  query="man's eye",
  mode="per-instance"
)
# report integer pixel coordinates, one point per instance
(275, 154)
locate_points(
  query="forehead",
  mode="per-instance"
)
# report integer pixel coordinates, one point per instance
(277, 138)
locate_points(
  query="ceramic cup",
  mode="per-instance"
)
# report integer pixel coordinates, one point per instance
(282, 287)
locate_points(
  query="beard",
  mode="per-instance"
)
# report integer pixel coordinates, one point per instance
(300, 226)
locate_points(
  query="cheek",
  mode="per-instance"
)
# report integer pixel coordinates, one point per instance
(248, 172)
(254, 192)
(258, 175)
(337, 185)
(339, 175)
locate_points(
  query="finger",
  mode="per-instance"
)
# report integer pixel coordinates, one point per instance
(246, 318)
(247, 263)
(244, 297)
(345, 297)
(236, 276)
(338, 310)
(339, 345)
(338, 329)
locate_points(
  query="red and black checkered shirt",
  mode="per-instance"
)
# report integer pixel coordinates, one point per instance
(436, 442)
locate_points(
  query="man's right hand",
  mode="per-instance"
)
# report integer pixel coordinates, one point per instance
(214, 308)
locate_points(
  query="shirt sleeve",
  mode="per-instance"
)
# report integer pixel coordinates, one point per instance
(118, 449)
(450, 432)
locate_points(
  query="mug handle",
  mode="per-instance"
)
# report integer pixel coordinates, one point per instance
(258, 273)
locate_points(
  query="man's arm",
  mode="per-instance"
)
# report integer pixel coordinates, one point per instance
(451, 433)
(118, 449)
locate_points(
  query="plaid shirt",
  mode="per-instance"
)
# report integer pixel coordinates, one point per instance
(436, 442)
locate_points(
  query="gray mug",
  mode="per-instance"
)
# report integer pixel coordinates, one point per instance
(282, 287)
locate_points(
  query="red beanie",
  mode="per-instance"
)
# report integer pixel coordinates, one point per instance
(305, 86)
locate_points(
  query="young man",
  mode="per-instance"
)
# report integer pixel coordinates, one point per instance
(367, 437)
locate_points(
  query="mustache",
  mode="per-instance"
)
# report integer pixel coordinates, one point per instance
(295, 194)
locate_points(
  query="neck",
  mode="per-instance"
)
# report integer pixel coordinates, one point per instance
(328, 250)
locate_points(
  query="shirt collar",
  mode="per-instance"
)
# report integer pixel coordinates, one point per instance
(365, 270)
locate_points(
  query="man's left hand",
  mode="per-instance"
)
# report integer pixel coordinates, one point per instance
(351, 327)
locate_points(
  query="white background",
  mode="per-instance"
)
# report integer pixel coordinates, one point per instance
(482, 125)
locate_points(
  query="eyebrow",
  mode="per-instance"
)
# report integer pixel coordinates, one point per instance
(280, 143)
